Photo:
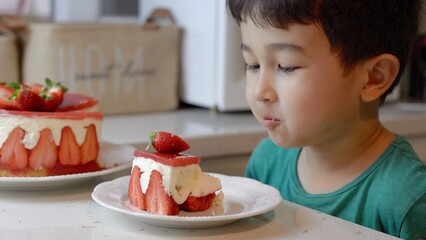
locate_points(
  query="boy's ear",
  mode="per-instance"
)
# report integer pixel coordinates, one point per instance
(383, 70)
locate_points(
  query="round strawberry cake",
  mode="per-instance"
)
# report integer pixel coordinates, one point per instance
(45, 131)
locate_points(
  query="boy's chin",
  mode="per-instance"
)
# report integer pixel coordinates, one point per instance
(284, 142)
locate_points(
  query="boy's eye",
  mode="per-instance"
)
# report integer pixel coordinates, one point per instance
(252, 66)
(287, 69)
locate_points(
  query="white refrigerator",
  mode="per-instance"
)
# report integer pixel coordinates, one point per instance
(213, 70)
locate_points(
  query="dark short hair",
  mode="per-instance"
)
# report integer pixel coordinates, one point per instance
(356, 29)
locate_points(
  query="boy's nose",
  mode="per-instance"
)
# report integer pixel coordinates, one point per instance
(264, 90)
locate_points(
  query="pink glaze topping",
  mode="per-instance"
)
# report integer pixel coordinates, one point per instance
(172, 160)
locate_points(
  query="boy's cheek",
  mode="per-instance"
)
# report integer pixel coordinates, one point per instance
(249, 91)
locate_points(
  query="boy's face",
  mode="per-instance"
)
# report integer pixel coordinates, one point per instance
(296, 87)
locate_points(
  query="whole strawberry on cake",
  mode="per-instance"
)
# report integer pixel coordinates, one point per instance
(45, 131)
(167, 181)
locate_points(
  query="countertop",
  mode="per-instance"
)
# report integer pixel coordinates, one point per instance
(214, 134)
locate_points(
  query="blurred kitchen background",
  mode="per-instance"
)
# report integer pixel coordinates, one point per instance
(212, 70)
(196, 24)
(212, 74)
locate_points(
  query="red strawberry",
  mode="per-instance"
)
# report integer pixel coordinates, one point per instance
(5, 94)
(53, 95)
(194, 204)
(24, 98)
(136, 197)
(29, 101)
(14, 155)
(90, 146)
(45, 153)
(31, 97)
(5, 90)
(165, 142)
(69, 150)
(157, 200)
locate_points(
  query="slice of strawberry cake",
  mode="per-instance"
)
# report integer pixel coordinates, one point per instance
(39, 138)
(166, 181)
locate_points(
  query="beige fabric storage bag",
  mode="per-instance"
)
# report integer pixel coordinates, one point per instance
(128, 67)
(9, 56)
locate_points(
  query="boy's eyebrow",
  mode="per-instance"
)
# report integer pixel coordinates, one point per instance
(284, 46)
(277, 47)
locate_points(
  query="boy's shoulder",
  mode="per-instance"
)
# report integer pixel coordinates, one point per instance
(400, 172)
(401, 158)
(400, 190)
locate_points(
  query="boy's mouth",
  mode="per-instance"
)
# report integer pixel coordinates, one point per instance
(270, 122)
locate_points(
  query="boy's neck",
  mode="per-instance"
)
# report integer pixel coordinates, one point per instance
(326, 169)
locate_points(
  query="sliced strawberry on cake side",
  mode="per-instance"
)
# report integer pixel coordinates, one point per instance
(136, 196)
(13, 153)
(45, 153)
(90, 146)
(69, 150)
(157, 200)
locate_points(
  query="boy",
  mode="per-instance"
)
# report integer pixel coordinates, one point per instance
(317, 72)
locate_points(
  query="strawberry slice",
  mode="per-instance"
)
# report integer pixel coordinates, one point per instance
(90, 146)
(194, 204)
(136, 197)
(69, 150)
(157, 200)
(165, 142)
(14, 155)
(45, 153)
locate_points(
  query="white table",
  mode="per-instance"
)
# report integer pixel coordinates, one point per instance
(71, 214)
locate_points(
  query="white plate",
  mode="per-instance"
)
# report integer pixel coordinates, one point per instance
(243, 197)
(113, 157)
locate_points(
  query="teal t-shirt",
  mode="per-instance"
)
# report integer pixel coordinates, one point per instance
(390, 196)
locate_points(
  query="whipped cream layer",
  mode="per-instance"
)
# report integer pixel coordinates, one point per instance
(32, 125)
(179, 182)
